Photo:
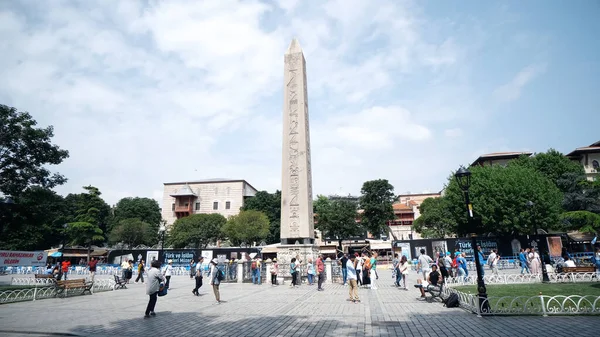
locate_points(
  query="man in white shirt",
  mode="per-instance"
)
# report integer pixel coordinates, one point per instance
(352, 279)
(168, 272)
(491, 258)
(423, 265)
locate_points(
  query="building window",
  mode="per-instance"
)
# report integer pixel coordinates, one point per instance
(227, 204)
(173, 207)
(596, 165)
(215, 205)
(197, 206)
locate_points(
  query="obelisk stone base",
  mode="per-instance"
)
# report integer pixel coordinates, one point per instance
(285, 253)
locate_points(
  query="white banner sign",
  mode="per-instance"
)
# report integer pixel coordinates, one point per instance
(23, 259)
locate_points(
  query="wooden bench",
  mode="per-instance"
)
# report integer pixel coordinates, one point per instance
(120, 283)
(45, 276)
(433, 291)
(589, 269)
(79, 284)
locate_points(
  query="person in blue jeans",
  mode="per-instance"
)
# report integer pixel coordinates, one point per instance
(255, 267)
(523, 262)
(344, 261)
(481, 260)
(396, 266)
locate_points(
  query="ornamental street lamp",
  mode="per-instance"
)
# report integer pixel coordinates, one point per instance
(161, 232)
(531, 206)
(463, 178)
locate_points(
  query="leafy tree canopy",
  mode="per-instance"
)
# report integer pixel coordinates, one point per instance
(196, 230)
(25, 153)
(499, 195)
(84, 233)
(88, 207)
(34, 222)
(376, 201)
(248, 226)
(145, 209)
(133, 232)
(436, 220)
(270, 205)
(336, 219)
(551, 164)
(583, 221)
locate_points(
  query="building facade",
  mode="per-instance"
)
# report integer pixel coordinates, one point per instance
(589, 158)
(406, 211)
(498, 158)
(222, 196)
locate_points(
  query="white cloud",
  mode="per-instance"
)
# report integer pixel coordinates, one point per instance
(453, 133)
(143, 93)
(511, 91)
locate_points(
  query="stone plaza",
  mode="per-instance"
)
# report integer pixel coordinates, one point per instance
(265, 310)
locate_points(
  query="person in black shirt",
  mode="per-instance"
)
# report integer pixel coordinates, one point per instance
(433, 279)
(343, 261)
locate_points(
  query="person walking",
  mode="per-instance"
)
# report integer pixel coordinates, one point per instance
(374, 270)
(274, 272)
(155, 277)
(344, 263)
(310, 272)
(168, 272)
(424, 263)
(192, 268)
(523, 262)
(320, 268)
(359, 267)
(352, 279)
(214, 279)
(198, 276)
(140, 269)
(404, 270)
(92, 266)
(396, 274)
(255, 267)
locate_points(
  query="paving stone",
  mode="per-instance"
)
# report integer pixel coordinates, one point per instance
(264, 310)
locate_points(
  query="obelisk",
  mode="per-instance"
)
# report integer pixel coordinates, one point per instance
(297, 223)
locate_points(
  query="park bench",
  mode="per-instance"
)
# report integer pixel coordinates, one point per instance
(433, 291)
(588, 269)
(48, 277)
(120, 283)
(64, 286)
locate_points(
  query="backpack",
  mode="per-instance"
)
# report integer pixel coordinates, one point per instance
(253, 265)
(452, 301)
(454, 263)
(367, 264)
(220, 275)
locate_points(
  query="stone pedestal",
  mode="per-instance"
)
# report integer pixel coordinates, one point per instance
(285, 253)
(240, 271)
(328, 271)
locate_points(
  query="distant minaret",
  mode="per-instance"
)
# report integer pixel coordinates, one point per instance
(297, 223)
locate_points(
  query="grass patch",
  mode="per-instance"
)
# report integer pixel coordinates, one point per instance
(534, 289)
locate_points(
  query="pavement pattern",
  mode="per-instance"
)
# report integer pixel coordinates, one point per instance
(265, 310)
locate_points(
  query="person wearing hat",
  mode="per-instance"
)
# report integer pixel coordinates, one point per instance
(274, 272)
(214, 280)
(168, 272)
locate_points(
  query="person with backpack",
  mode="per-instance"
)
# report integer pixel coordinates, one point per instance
(366, 270)
(155, 277)
(216, 276)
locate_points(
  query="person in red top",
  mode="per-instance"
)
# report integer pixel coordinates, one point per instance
(65, 268)
(92, 264)
(320, 271)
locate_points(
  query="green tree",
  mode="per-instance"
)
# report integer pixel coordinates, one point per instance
(196, 231)
(145, 209)
(579, 193)
(248, 226)
(88, 207)
(269, 204)
(84, 233)
(436, 220)
(336, 219)
(376, 201)
(35, 222)
(583, 221)
(25, 153)
(551, 164)
(499, 195)
(133, 232)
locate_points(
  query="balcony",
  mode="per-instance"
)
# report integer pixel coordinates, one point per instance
(183, 208)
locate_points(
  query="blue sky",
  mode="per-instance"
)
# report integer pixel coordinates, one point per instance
(146, 92)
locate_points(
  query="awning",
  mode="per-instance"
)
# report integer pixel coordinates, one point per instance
(327, 251)
(56, 254)
(380, 244)
(270, 249)
(580, 237)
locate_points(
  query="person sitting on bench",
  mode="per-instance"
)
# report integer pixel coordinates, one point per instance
(433, 280)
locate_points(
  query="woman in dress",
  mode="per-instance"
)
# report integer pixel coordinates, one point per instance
(534, 261)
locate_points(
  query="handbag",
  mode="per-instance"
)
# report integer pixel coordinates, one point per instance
(162, 290)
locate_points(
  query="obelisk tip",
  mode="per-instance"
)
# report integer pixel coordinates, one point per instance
(294, 47)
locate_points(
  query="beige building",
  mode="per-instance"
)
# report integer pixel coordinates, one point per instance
(222, 196)
(406, 211)
(498, 158)
(589, 157)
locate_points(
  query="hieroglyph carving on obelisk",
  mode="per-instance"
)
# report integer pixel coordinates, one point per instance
(296, 195)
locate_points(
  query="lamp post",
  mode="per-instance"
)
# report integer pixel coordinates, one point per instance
(531, 206)
(463, 178)
(161, 232)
